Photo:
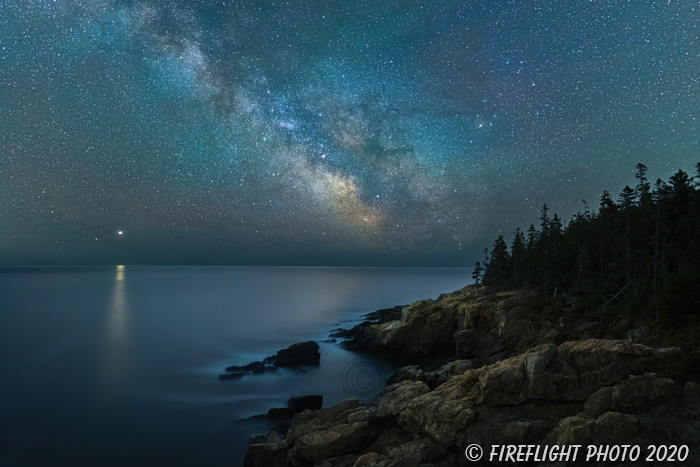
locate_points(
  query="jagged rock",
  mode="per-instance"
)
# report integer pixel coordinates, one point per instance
(691, 399)
(367, 460)
(266, 450)
(413, 453)
(385, 314)
(302, 353)
(565, 394)
(396, 397)
(582, 367)
(599, 402)
(296, 405)
(420, 331)
(311, 402)
(253, 367)
(523, 384)
(432, 378)
(390, 438)
(638, 410)
(572, 430)
(525, 431)
(445, 411)
(457, 367)
(230, 376)
(308, 422)
(406, 373)
(356, 333)
(340, 461)
(282, 412)
(489, 327)
(471, 343)
(330, 442)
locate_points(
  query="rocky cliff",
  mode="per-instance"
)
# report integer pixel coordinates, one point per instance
(514, 376)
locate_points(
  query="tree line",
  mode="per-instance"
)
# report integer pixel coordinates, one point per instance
(638, 253)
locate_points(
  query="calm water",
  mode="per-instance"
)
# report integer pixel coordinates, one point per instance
(116, 366)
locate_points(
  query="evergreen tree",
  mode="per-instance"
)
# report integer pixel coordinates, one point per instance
(638, 254)
(643, 187)
(680, 190)
(517, 255)
(627, 197)
(477, 273)
(544, 220)
(498, 265)
(607, 205)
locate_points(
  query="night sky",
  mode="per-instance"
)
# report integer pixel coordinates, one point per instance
(323, 132)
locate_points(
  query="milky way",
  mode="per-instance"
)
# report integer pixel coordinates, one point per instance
(328, 132)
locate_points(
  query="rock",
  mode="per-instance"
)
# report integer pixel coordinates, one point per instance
(229, 376)
(420, 331)
(296, 405)
(385, 314)
(302, 353)
(330, 442)
(445, 411)
(391, 438)
(639, 410)
(616, 428)
(308, 422)
(582, 367)
(312, 402)
(266, 437)
(599, 402)
(471, 343)
(396, 397)
(253, 367)
(340, 461)
(266, 450)
(414, 453)
(446, 371)
(367, 460)
(460, 325)
(281, 412)
(432, 378)
(376, 317)
(406, 373)
(513, 378)
(572, 430)
(644, 391)
(526, 431)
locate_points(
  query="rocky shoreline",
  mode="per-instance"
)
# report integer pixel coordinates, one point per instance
(512, 372)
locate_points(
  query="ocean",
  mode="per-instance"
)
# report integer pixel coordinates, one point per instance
(118, 365)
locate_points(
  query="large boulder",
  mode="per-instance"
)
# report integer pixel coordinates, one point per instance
(297, 405)
(463, 325)
(512, 378)
(330, 442)
(302, 353)
(266, 450)
(394, 399)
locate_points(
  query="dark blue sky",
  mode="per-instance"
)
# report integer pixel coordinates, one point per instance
(328, 132)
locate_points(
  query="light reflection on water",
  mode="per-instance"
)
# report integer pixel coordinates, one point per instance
(116, 342)
(123, 360)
